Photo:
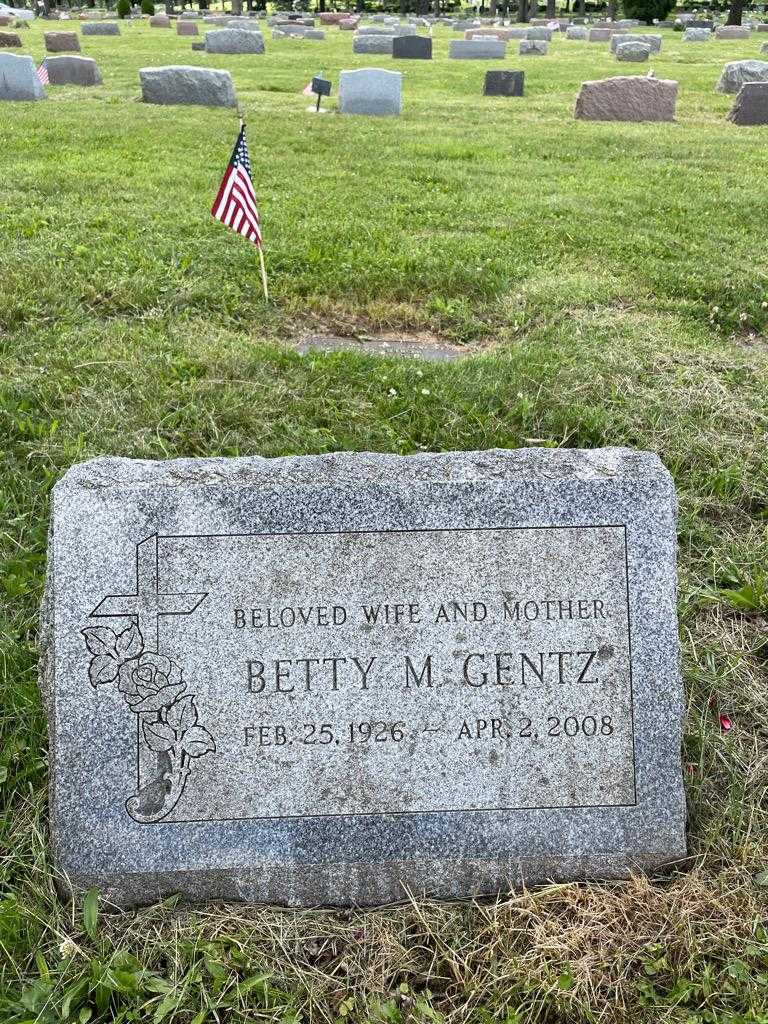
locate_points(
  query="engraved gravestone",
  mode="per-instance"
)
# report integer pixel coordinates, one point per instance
(333, 679)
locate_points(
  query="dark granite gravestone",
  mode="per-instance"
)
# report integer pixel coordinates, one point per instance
(343, 677)
(504, 83)
(412, 48)
(751, 105)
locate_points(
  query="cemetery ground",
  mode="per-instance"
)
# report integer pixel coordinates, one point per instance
(613, 280)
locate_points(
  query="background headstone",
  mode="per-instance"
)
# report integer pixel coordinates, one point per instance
(739, 72)
(18, 78)
(653, 41)
(62, 42)
(9, 40)
(372, 44)
(633, 52)
(412, 48)
(623, 98)
(732, 32)
(186, 28)
(751, 105)
(697, 35)
(477, 49)
(371, 91)
(504, 83)
(177, 84)
(533, 47)
(233, 40)
(100, 28)
(73, 71)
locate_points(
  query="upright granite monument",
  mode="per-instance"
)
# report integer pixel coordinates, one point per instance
(334, 678)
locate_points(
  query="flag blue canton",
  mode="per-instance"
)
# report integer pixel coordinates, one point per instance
(235, 203)
(240, 157)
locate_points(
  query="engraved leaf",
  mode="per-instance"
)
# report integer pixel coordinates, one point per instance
(162, 699)
(103, 669)
(183, 714)
(100, 640)
(158, 736)
(197, 741)
(130, 643)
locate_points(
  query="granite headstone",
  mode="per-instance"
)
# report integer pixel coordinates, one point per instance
(627, 98)
(633, 52)
(751, 105)
(178, 84)
(68, 70)
(732, 32)
(18, 78)
(62, 42)
(100, 28)
(738, 72)
(504, 83)
(477, 49)
(652, 41)
(370, 91)
(412, 48)
(336, 679)
(372, 44)
(533, 47)
(233, 40)
(697, 35)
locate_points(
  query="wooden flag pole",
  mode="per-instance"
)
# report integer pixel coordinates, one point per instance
(263, 272)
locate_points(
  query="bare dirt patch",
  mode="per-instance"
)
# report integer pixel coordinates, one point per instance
(751, 340)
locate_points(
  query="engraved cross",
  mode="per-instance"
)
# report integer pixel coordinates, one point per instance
(148, 604)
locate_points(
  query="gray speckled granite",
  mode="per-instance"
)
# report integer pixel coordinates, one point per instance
(243, 729)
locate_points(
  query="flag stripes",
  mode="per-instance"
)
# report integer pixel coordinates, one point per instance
(235, 203)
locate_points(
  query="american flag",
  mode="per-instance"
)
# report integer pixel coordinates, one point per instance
(235, 204)
(42, 72)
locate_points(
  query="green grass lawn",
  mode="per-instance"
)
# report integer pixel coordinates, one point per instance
(616, 277)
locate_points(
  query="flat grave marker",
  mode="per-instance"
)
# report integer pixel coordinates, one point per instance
(324, 679)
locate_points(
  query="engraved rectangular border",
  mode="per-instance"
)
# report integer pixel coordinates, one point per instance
(447, 810)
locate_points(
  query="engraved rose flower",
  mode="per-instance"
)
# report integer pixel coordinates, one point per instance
(150, 682)
(153, 687)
